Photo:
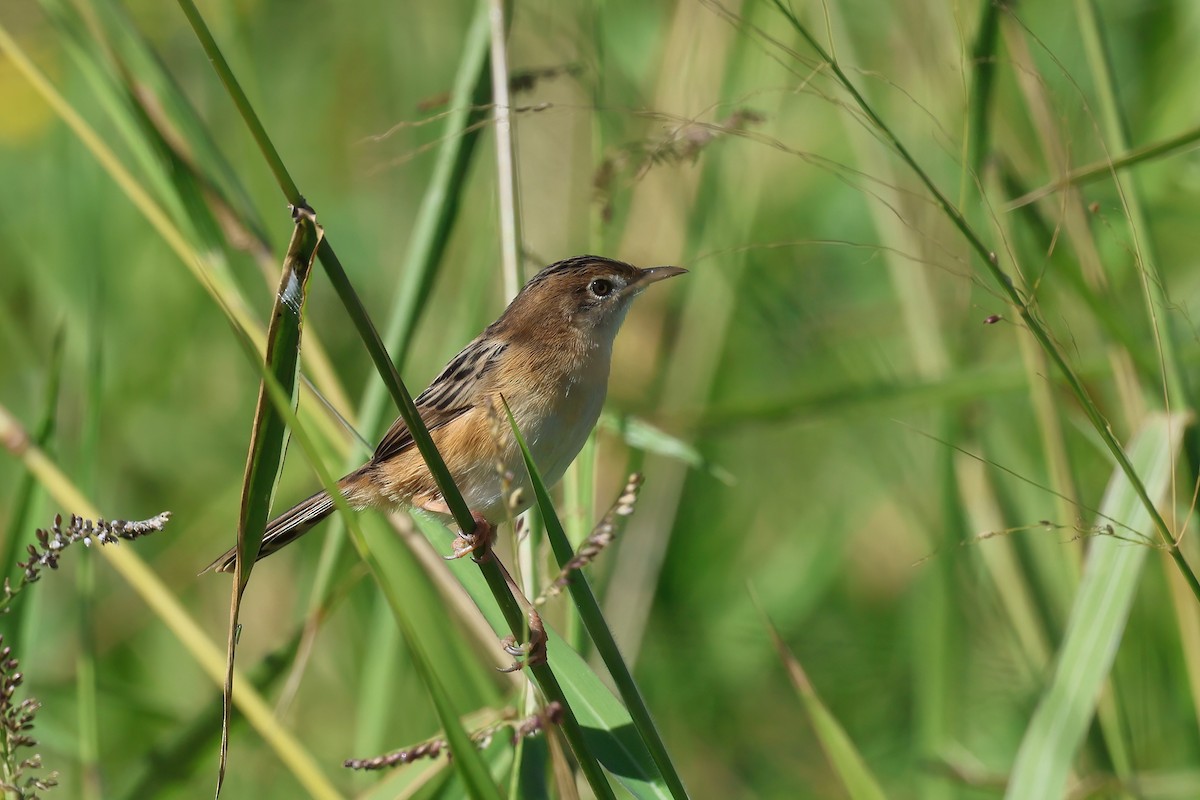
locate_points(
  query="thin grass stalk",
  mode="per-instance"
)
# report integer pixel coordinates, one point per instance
(1177, 391)
(508, 202)
(597, 627)
(1100, 170)
(506, 158)
(1024, 307)
(165, 605)
(1092, 283)
(1058, 567)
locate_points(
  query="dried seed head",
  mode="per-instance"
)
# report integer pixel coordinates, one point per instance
(601, 536)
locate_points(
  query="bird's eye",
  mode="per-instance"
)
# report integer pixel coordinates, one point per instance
(601, 287)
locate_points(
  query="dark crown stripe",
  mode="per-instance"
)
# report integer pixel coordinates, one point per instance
(578, 264)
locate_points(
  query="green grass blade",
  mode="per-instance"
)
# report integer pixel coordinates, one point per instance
(144, 69)
(269, 434)
(1101, 170)
(597, 628)
(983, 82)
(1097, 620)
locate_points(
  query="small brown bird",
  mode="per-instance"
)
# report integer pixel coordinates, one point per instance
(547, 355)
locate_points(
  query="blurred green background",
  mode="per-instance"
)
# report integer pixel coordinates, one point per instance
(826, 358)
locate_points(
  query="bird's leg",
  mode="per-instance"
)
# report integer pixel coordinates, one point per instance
(480, 544)
(533, 651)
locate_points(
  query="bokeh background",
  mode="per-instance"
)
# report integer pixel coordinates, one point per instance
(832, 425)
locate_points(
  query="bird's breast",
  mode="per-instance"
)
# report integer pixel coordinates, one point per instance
(561, 413)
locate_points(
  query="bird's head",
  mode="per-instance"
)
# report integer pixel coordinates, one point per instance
(589, 294)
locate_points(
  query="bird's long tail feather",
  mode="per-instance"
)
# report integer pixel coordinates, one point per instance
(283, 530)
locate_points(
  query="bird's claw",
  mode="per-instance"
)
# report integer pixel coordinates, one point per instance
(527, 654)
(478, 545)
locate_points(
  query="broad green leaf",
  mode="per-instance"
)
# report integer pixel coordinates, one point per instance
(1098, 616)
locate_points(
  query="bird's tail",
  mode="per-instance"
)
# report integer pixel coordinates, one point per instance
(288, 526)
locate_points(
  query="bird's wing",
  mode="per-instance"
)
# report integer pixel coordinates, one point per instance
(454, 392)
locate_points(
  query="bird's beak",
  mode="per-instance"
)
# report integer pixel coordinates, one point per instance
(652, 275)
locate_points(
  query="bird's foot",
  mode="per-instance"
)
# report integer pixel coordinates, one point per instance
(527, 654)
(478, 545)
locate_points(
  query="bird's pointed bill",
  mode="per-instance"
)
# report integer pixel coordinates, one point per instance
(653, 275)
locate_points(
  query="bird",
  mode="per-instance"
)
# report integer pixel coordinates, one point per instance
(547, 357)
